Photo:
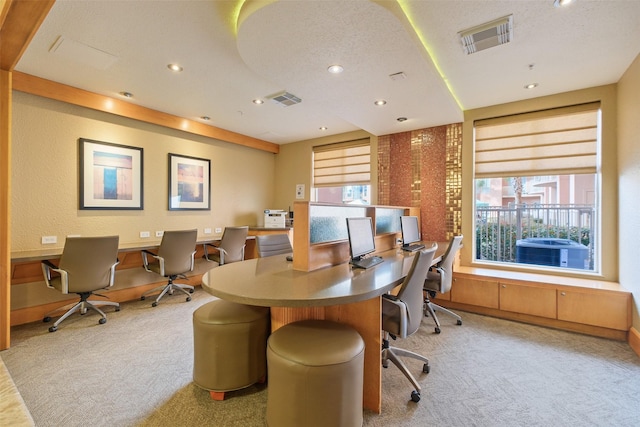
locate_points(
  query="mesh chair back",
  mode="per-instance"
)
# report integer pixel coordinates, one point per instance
(411, 290)
(273, 244)
(233, 241)
(88, 262)
(445, 267)
(177, 248)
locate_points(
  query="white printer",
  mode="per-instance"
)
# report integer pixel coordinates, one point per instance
(274, 218)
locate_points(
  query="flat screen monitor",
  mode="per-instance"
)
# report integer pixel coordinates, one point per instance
(361, 238)
(410, 230)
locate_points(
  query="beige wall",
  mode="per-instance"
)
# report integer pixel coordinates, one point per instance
(609, 188)
(629, 181)
(45, 177)
(293, 166)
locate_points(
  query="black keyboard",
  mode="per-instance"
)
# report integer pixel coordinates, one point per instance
(367, 262)
(412, 248)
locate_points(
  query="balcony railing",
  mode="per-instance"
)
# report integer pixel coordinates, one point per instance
(499, 228)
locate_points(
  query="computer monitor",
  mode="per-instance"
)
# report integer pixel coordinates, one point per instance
(361, 237)
(410, 230)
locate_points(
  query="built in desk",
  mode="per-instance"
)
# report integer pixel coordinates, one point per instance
(339, 293)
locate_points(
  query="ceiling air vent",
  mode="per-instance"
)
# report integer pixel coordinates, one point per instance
(487, 35)
(285, 99)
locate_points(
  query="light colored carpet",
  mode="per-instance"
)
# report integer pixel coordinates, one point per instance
(136, 370)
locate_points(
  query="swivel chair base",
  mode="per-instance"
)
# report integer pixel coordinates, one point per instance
(81, 306)
(392, 354)
(168, 289)
(431, 308)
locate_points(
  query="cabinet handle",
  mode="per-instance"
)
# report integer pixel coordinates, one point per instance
(562, 294)
(504, 286)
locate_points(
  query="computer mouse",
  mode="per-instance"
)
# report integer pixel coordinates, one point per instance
(289, 258)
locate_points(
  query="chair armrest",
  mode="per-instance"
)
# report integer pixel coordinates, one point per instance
(47, 268)
(145, 260)
(112, 272)
(218, 248)
(402, 312)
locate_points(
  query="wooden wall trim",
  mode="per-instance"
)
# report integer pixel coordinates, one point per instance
(634, 340)
(5, 208)
(72, 95)
(20, 22)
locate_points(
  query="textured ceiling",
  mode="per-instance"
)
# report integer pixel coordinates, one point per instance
(288, 45)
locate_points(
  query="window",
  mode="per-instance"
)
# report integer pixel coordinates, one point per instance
(342, 172)
(536, 188)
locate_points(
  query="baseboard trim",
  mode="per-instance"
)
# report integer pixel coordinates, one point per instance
(634, 340)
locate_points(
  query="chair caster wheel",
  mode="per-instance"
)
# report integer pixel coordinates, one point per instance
(142, 298)
(46, 319)
(437, 330)
(426, 368)
(154, 304)
(459, 322)
(53, 329)
(102, 321)
(188, 299)
(117, 308)
(415, 396)
(191, 291)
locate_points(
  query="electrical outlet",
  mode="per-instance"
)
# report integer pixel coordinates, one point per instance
(218, 230)
(144, 234)
(48, 240)
(159, 233)
(207, 231)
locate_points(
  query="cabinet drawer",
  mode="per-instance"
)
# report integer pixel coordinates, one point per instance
(595, 308)
(482, 293)
(536, 301)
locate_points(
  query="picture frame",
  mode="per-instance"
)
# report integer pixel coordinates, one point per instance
(189, 183)
(110, 176)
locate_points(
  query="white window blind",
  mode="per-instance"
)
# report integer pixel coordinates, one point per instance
(551, 142)
(345, 163)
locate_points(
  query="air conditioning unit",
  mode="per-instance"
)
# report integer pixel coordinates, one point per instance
(487, 35)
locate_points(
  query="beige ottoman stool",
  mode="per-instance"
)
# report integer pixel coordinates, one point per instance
(316, 370)
(229, 346)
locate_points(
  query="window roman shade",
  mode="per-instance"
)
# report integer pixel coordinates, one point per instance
(550, 142)
(345, 163)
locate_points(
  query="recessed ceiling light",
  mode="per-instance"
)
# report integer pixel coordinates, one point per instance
(560, 3)
(174, 67)
(380, 102)
(323, 128)
(126, 94)
(335, 69)
(205, 118)
(401, 119)
(258, 101)
(531, 85)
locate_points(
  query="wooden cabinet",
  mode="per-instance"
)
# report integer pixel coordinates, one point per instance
(483, 293)
(583, 305)
(602, 308)
(525, 299)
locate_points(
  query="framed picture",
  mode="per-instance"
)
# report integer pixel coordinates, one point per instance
(189, 183)
(110, 176)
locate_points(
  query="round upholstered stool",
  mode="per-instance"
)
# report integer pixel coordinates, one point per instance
(229, 346)
(316, 370)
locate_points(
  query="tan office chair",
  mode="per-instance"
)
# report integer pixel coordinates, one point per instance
(273, 244)
(402, 315)
(439, 279)
(175, 257)
(86, 265)
(231, 247)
